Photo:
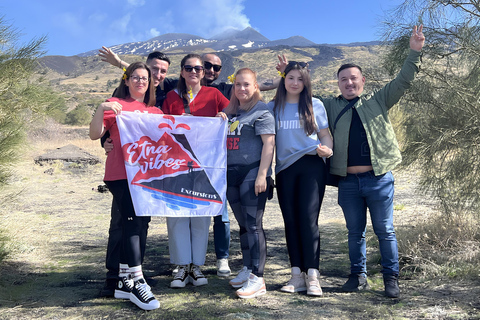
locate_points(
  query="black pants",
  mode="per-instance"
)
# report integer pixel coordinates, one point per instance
(248, 209)
(300, 190)
(136, 231)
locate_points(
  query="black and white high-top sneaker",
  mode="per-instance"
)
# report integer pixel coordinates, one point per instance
(142, 296)
(124, 288)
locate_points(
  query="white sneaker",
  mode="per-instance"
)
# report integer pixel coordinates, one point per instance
(196, 276)
(296, 282)
(254, 287)
(143, 297)
(241, 278)
(181, 278)
(313, 284)
(223, 270)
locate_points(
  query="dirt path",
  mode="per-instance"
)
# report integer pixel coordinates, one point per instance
(58, 227)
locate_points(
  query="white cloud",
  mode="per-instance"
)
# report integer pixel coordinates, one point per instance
(210, 17)
(154, 32)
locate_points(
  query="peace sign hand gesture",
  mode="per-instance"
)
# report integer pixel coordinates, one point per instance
(417, 40)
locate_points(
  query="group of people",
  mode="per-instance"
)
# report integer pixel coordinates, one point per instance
(351, 130)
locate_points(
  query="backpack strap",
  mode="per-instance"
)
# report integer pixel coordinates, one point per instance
(348, 106)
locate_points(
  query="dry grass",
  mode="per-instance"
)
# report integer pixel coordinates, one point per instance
(445, 245)
(58, 227)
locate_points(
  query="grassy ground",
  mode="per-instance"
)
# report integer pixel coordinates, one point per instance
(58, 226)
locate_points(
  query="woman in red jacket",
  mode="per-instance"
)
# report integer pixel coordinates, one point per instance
(188, 236)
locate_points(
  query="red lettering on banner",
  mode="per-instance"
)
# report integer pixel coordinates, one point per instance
(157, 158)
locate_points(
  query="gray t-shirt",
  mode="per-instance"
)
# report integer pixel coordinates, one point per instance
(244, 144)
(291, 141)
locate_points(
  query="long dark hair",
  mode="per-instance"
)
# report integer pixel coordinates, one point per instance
(123, 92)
(182, 85)
(305, 106)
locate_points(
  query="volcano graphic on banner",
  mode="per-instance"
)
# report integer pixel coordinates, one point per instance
(161, 162)
(185, 185)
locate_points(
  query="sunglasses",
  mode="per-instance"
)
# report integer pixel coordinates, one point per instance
(296, 63)
(208, 66)
(190, 68)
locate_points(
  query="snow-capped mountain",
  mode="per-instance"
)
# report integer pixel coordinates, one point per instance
(229, 40)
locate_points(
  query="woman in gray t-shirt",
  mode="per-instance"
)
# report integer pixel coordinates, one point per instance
(302, 140)
(250, 144)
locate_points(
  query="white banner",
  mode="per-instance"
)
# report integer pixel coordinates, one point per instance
(176, 165)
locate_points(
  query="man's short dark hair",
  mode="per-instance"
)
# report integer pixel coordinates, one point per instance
(158, 55)
(348, 66)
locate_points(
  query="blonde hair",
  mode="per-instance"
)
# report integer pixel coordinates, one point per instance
(234, 104)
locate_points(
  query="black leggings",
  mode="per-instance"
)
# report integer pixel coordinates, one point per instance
(300, 190)
(134, 229)
(115, 241)
(248, 209)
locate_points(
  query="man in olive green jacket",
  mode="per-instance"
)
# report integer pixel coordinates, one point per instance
(365, 152)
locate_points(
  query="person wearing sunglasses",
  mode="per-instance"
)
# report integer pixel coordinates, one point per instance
(213, 67)
(188, 236)
(135, 93)
(303, 141)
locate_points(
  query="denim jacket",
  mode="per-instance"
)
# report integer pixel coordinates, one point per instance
(373, 111)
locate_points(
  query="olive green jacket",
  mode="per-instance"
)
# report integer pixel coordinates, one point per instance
(373, 111)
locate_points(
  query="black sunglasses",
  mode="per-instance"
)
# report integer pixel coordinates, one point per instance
(296, 63)
(190, 68)
(208, 66)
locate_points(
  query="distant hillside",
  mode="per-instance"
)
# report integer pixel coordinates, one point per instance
(229, 40)
(88, 79)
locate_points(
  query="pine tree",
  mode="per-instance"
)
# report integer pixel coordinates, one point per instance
(442, 110)
(21, 98)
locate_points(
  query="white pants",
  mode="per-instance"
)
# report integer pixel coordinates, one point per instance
(188, 239)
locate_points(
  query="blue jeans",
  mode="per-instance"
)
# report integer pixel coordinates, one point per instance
(356, 193)
(221, 234)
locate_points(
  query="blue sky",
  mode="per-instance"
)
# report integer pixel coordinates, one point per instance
(74, 27)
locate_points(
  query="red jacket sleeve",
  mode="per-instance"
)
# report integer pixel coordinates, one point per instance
(173, 104)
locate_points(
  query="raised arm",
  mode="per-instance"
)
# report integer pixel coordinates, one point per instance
(111, 57)
(271, 84)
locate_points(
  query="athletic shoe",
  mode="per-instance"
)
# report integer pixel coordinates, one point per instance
(313, 285)
(296, 282)
(254, 287)
(223, 270)
(181, 277)
(241, 278)
(196, 276)
(391, 286)
(124, 288)
(356, 282)
(143, 297)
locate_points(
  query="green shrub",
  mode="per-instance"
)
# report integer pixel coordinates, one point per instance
(80, 116)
